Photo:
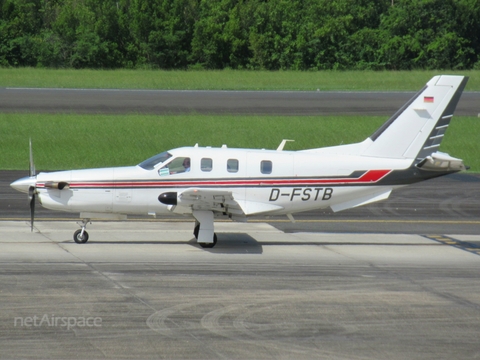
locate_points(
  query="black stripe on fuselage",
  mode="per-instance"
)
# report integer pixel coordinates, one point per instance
(396, 177)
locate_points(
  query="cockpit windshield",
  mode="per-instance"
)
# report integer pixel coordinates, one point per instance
(149, 164)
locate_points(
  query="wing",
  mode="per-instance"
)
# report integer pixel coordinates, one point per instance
(219, 201)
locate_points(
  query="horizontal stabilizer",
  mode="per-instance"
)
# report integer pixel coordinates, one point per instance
(439, 161)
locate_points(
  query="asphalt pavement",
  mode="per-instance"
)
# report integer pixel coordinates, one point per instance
(108, 101)
(147, 291)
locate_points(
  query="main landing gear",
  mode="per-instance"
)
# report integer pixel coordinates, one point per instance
(203, 230)
(202, 244)
(81, 235)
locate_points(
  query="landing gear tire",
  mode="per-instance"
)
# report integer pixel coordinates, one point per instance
(78, 238)
(209, 245)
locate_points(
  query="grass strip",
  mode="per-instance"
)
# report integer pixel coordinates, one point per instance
(75, 141)
(227, 79)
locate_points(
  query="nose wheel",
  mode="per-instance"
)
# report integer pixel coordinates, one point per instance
(81, 235)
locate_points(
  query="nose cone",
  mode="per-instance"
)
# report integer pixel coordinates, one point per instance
(24, 184)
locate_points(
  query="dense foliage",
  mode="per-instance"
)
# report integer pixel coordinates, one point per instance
(241, 34)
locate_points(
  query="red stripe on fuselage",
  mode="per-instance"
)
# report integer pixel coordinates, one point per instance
(371, 176)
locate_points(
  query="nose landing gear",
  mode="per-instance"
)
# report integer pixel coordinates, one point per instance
(81, 235)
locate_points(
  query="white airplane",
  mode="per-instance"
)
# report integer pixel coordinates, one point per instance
(207, 183)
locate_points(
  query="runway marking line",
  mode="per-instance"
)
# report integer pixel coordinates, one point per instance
(462, 245)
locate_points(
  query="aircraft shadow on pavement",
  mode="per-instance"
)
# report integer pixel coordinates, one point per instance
(230, 243)
(233, 243)
(128, 242)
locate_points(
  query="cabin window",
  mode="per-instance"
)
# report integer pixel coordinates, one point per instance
(232, 165)
(206, 164)
(266, 167)
(176, 166)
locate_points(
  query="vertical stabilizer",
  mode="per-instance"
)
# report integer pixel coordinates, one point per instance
(417, 129)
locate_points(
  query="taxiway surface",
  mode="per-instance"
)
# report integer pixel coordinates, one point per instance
(260, 293)
(214, 102)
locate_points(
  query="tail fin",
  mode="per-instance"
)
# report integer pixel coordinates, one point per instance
(416, 130)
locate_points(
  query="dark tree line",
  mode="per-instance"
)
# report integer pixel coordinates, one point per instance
(241, 34)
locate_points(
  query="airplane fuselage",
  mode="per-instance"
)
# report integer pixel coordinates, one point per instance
(277, 182)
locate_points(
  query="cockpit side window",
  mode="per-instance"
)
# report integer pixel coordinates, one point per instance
(150, 163)
(176, 166)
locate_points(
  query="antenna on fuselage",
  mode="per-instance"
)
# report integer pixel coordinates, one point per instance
(282, 144)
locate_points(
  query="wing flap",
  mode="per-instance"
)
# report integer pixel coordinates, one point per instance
(208, 199)
(367, 199)
(254, 208)
(219, 201)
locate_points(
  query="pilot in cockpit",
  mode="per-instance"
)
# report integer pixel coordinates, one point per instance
(186, 164)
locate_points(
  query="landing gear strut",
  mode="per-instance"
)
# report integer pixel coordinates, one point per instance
(203, 230)
(81, 235)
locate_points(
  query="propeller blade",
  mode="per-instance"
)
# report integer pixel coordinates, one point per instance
(32, 165)
(31, 196)
(32, 191)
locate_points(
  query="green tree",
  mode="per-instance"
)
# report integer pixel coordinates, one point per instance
(161, 31)
(423, 34)
(20, 23)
